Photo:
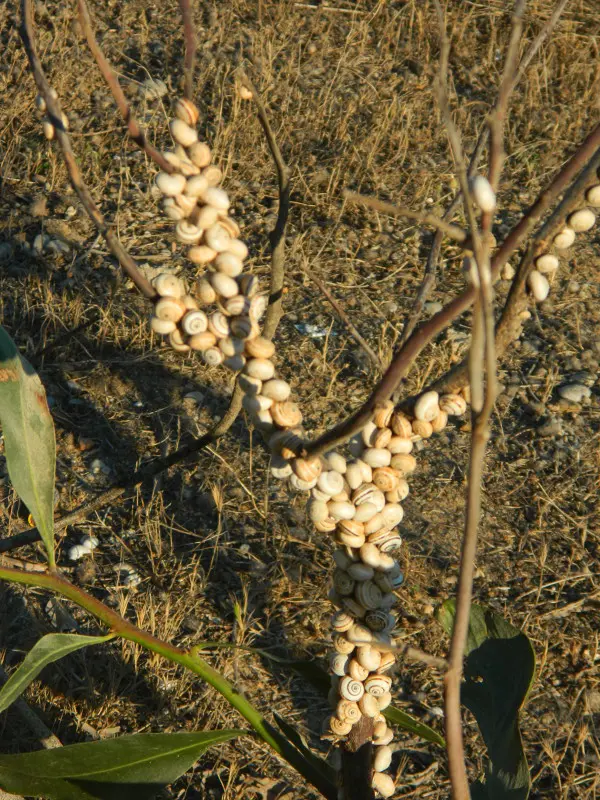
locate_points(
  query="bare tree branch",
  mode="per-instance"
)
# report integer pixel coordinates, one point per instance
(189, 38)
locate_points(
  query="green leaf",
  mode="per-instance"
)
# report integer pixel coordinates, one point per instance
(317, 676)
(132, 767)
(498, 674)
(50, 648)
(29, 444)
(319, 764)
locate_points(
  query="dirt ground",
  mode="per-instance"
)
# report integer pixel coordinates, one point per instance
(224, 553)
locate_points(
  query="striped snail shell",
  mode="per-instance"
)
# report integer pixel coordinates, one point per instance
(236, 305)
(194, 322)
(386, 478)
(368, 657)
(421, 429)
(307, 469)
(340, 727)
(383, 414)
(249, 284)
(401, 425)
(369, 706)
(382, 437)
(186, 110)
(326, 526)
(342, 645)
(351, 689)
(453, 404)
(168, 285)
(339, 664)
(258, 306)
(230, 225)
(395, 575)
(169, 308)
(218, 324)
(383, 783)
(359, 634)
(185, 203)
(356, 670)
(187, 233)
(383, 758)
(368, 594)
(378, 684)
(213, 357)
(349, 532)
(349, 711)
(288, 415)
(377, 620)
(387, 660)
(388, 544)
(341, 621)
(343, 583)
(244, 328)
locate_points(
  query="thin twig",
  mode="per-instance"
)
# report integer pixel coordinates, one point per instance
(277, 235)
(150, 470)
(539, 40)
(405, 355)
(127, 263)
(342, 315)
(41, 732)
(414, 654)
(133, 128)
(189, 39)
(452, 231)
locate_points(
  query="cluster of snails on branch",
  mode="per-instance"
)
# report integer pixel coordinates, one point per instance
(47, 125)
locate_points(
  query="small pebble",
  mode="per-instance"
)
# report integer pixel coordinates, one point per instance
(574, 392)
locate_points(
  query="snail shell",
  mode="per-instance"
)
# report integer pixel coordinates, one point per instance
(172, 210)
(349, 711)
(395, 576)
(244, 328)
(368, 594)
(202, 341)
(250, 385)
(280, 468)
(258, 306)
(368, 657)
(351, 689)
(381, 740)
(343, 583)
(168, 285)
(286, 443)
(378, 684)
(331, 483)
(253, 403)
(398, 494)
(371, 556)
(307, 469)
(212, 174)
(383, 783)
(386, 541)
(383, 414)
(327, 526)
(365, 512)
(194, 322)
(217, 198)
(539, 286)
(546, 263)
(382, 438)
(169, 308)
(387, 660)
(377, 457)
(342, 558)
(223, 284)
(393, 514)
(338, 664)
(297, 483)
(359, 634)
(162, 326)
(453, 404)
(195, 186)
(235, 363)
(231, 346)
(368, 493)
(439, 423)
(202, 254)
(483, 195)
(564, 238)
(387, 563)
(199, 153)
(342, 645)
(207, 216)
(582, 220)
(229, 264)
(593, 195)
(187, 111)
(341, 728)
(427, 406)
(263, 348)
(385, 478)
(213, 357)
(384, 701)
(354, 475)
(49, 131)
(405, 463)
(356, 445)
(337, 462)
(382, 759)
(249, 284)
(218, 324)
(379, 620)
(238, 248)
(170, 185)
(182, 133)
(369, 706)
(217, 238)
(353, 607)
(187, 233)
(288, 415)
(401, 425)
(341, 510)
(277, 389)
(236, 305)
(264, 422)
(349, 532)
(368, 432)
(177, 342)
(356, 671)
(422, 429)
(261, 368)
(341, 621)
(360, 572)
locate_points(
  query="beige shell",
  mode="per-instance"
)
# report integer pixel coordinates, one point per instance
(368, 657)
(368, 594)
(342, 645)
(261, 348)
(341, 621)
(382, 438)
(258, 306)
(238, 248)
(368, 432)
(170, 185)
(383, 784)
(331, 482)
(168, 285)
(202, 341)
(213, 356)
(405, 463)
(186, 110)
(217, 238)
(280, 468)
(185, 203)
(177, 343)
(200, 155)
(260, 368)
(236, 305)
(187, 233)
(539, 286)
(218, 324)
(359, 634)
(229, 264)
(230, 225)
(582, 220)
(327, 526)
(383, 414)
(393, 514)
(388, 660)
(254, 403)
(223, 284)
(194, 322)
(250, 385)
(341, 728)
(386, 478)
(593, 195)
(382, 759)
(307, 469)
(195, 186)
(427, 406)
(217, 198)
(369, 706)
(351, 689)
(338, 664)
(349, 532)
(348, 710)
(370, 555)
(231, 346)
(377, 457)
(172, 210)
(384, 700)
(288, 415)
(162, 326)
(378, 684)
(356, 671)
(213, 175)
(206, 216)
(337, 462)
(201, 254)
(277, 389)
(422, 429)
(439, 423)
(183, 133)
(546, 263)
(453, 404)
(49, 131)
(401, 425)
(169, 308)
(354, 475)
(564, 238)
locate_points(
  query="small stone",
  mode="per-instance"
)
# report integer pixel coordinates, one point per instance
(574, 392)
(551, 428)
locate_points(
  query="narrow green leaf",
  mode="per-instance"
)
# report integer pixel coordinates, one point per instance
(326, 770)
(317, 676)
(498, 674)
(50, 648)
(134, 767)
(29, 443)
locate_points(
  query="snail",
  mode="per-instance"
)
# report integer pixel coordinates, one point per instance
(582, 220)
(539, 286)
(483, 195)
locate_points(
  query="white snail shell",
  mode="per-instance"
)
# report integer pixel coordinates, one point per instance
(593, 195)
(172, 210)
(186, 110)
(341, 510)
(384, 784)
(280, 467)
(77, 551)
(359, 634)
(299, 484)
(185, 203)
(338, 664)
(195, 186)
(582, 220)
(200, 154)
(223, 284)
(170, 185)
(378, 684)
(546, 263)
(229, 264)
(382, 759)
(182, 133)
(162, 326)
(187, 233)
(277, 389)
(406, 463)
(387, 660)
(238, 248)
(202, 254)
(342, 645)
(351, 689)
(539, 285)
(213, 356)
(340, 727)
(258, 306)
(427, 406)
(336, 461)
(393, 514)
(349, 711)
(263, 369)
(483, 194)
(369, 706)
(331, 482)
(370, 555)
(368, 657)
(377, 457)
(356, 671)
(217, 238)
(217, 198)
(177, 343)
(564, 238)
(218, 324)
(207, 216)
(236, 305)
(169, 308)
(212, 174)
(288, 415)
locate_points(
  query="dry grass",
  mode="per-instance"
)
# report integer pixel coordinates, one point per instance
(225, 556)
